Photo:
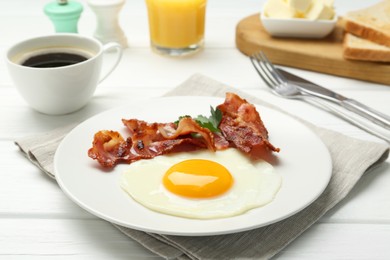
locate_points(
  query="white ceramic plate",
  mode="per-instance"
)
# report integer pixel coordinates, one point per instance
(304, 163)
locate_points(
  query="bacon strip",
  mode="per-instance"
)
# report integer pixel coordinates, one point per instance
(187, 126)
(148, 140)
(109, 148)
(242, 126)
(220, 142)
(153, 139)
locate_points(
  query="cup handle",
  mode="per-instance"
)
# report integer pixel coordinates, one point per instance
(118, 49)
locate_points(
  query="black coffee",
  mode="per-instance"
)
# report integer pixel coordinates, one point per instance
(54, 59)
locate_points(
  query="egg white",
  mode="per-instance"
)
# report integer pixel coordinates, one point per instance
(255, 185)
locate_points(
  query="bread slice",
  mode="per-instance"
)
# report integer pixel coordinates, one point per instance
(371, 23)
(355, 48)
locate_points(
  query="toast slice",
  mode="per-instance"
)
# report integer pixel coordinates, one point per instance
(356, 48)
(371, 23)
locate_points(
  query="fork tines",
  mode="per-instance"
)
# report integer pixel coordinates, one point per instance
(266, 70)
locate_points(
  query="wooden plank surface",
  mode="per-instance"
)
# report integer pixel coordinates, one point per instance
(321, 55)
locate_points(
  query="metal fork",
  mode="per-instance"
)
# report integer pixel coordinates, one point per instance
(287, 89)
(273, 79)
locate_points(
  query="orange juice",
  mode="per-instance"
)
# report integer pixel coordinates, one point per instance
(176, 24)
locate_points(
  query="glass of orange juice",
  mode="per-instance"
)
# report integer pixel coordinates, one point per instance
(176, 26)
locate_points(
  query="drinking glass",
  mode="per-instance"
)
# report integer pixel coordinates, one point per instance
(176, 26)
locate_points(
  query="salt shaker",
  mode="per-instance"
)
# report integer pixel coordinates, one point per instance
(64, 14)
(108, 29)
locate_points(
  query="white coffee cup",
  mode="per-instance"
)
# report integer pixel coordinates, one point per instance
(65, 89)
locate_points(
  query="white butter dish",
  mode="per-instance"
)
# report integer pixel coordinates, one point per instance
(298, 27)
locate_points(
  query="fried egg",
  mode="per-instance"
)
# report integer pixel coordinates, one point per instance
(201, 184)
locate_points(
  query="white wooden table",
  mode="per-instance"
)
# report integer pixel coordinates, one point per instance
(37, 221)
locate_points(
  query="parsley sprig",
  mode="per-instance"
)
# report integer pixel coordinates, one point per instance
(211, 122)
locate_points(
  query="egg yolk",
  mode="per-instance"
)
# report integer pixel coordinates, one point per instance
(198, 178)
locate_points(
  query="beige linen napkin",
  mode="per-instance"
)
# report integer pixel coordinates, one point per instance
(351, 159)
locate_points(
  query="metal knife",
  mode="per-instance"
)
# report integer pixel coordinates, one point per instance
(313, 89)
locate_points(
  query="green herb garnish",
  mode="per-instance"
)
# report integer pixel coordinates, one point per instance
(211, 122)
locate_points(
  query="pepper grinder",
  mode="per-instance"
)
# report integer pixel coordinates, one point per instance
(108, 29)
(64, 14)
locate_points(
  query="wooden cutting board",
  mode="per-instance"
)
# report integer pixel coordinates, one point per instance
(322, 55)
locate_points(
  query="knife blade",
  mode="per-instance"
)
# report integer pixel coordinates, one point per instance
(311, 88)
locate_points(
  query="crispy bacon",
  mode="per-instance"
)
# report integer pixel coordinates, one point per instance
(153, 139)
(109, 148)
(148, 140)
(187, 126)
(242, 126)
(220, 141)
